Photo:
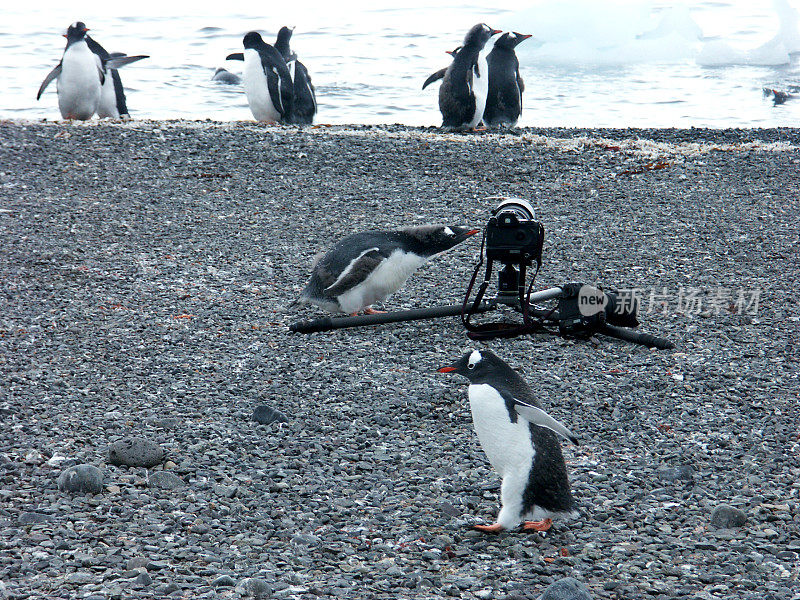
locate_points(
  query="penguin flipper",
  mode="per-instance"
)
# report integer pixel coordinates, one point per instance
(117, 62)
(235, 56)
(356, 272)
(50, 76)
(280, 91)
(434, 77)
(537, 416)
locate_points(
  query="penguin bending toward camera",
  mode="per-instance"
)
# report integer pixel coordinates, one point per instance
(504, 98)
(81, 75)
(465, 83)
(520, 440)
(365, 268)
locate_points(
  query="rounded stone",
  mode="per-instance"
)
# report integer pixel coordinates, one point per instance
(81, 479)
(725, 516)
(165, 480)
(135, 452)
(265, 415)
(567, 588)
(223, 581)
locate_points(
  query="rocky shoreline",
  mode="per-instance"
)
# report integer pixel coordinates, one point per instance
(146, 269)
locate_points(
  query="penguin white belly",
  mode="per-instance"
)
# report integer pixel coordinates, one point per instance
(385, 280)
(480, 88)
(108, 99)
(254, 81)
(79, 82)
(508, 445)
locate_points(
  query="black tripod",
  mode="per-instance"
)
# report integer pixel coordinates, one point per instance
(544, 319)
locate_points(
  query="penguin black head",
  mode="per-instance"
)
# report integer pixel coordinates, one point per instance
(477, 366)
(282, 43)
(253, 39)
(479, 35)
(76, 32)
(433, 239)
(511, 40)
(454, 52)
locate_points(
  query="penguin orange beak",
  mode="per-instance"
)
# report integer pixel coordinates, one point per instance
(473, 232)
(496, 31)
(523, 36)
(446, 370)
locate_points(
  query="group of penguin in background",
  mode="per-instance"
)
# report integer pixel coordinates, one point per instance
(87, 78)
(277, 85)
(481, 85)
(518, 436)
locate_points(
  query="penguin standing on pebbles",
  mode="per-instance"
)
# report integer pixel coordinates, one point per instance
(465, 84)
(520, 441)
(305, 99)
(504, 99)
(266, 80)
(368, 267)
(113, 103)
(80, 75)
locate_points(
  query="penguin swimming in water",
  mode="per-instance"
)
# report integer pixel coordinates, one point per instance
(225, 76)
(266, 79)
(462, 95)
(80, 75)
(440, 73)
(368, 267)
(504, 99)
(305, 99)
(519, 439)
(113, 103)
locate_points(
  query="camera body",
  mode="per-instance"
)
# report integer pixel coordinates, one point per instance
(513, 236)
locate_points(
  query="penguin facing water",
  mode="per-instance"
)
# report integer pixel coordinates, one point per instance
(519, 439)
(465, 83)
(266, 80)
(368, 267)
(504, 98)
(305, 99)
(81, 74)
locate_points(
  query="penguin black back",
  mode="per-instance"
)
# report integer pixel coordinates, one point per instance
(305, 99)
(462, 95)
(504, 99)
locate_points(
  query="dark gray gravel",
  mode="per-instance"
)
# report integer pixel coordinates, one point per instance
(145, 268)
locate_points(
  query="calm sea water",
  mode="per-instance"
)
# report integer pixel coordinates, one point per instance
(599, 64)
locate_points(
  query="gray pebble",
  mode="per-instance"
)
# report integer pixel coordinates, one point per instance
(165, 480)
(567, 588)
(725, 516)
(81, 479)
(30, 518)
(265, 415)
(135, 452)
(676, 473)
(223, 581)
(254, 587)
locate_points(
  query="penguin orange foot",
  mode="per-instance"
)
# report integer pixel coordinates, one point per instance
(496, 528)
(542, 525)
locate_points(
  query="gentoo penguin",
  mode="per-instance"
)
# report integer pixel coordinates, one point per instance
(440, 73)
(462, 95)
(504, 101)
(305, 99)
(112, 95)
(266, 79)
(368, 267)
(520, 441)
(80, 75)
(225, 76)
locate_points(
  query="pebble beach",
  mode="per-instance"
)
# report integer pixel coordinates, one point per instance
(166, 435)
